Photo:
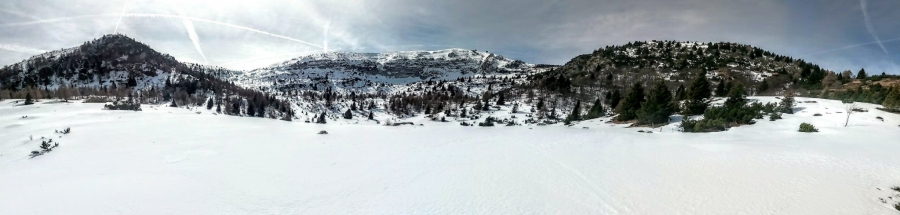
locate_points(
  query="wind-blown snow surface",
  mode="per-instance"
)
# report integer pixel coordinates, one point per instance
(174, 161)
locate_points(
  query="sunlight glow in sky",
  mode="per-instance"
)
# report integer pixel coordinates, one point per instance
(251, 34)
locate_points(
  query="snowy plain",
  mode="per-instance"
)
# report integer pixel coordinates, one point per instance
(174, 161)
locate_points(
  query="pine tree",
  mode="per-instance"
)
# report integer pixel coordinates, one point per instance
(697, 95)
(720, 89)
(348, 114)
(218, 107)
(251, 111)
(736, 97)
(658, 106)
(596, 110)
(627, 109)
(501, 100)
(763, 86)
(321, 118)
(614, 99)
(576, 113)
(28, 100)
(787, 103)
(679, 93)
(861, 74)
(209, 104)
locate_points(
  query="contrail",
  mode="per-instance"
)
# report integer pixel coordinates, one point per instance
(192, 32)
(864, 6)
(17, 48)
(120, 17)
(62, 19)
(857, 45)
(17, 13)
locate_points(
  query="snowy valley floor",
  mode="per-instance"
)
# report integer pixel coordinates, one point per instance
(174, 161)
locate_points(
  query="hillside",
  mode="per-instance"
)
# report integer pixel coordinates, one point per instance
(615, 67)
(207, 164)
(118, 66)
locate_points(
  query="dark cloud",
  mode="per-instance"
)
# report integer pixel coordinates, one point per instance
(540, 31)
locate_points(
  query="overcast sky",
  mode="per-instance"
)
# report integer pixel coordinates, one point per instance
(838, 35)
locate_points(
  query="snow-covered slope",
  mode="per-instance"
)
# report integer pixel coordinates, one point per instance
(175, 161)
(362, 71)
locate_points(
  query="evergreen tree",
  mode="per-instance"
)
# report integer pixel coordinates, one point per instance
(501, 100)
(720, 89)
(763, 86)
(576, 113)
(861, 74)
(679, 93)
(321, 118)
(697, 95)
(596, 110)
(486, 106)
(28, 100)
(614, 100)
(251, 111)
(627, 109)
(658, 106)
(736, 97)
(787, 103)
(218, 107)
(209, 104)
(348, 114)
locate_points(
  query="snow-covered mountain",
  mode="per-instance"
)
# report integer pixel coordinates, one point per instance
(358, 71)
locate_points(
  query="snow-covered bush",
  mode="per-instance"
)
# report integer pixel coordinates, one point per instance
(46, 147)
(806, 127)
(123, 105)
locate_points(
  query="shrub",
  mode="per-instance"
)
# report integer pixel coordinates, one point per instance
(96, 100)
(489, 121)
(123, 105)
(806, 127)
(817, 114)
(774, 116)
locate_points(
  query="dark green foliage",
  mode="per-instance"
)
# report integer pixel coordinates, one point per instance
(736, 97)
(787, 103)
(614, 99)
(698, 95)
(501, 100)
(209, 104)
(348, 114)
(596, 111)
(720, 89)
(488, 122)
(861, 74)
(576, 113)
(680, 93)
(28, 100)
(658, 106)
(735, 112)
(629, 106)
(774, 116)
(763, 86)
(892, 100)
(806, 127)
(321, 119)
